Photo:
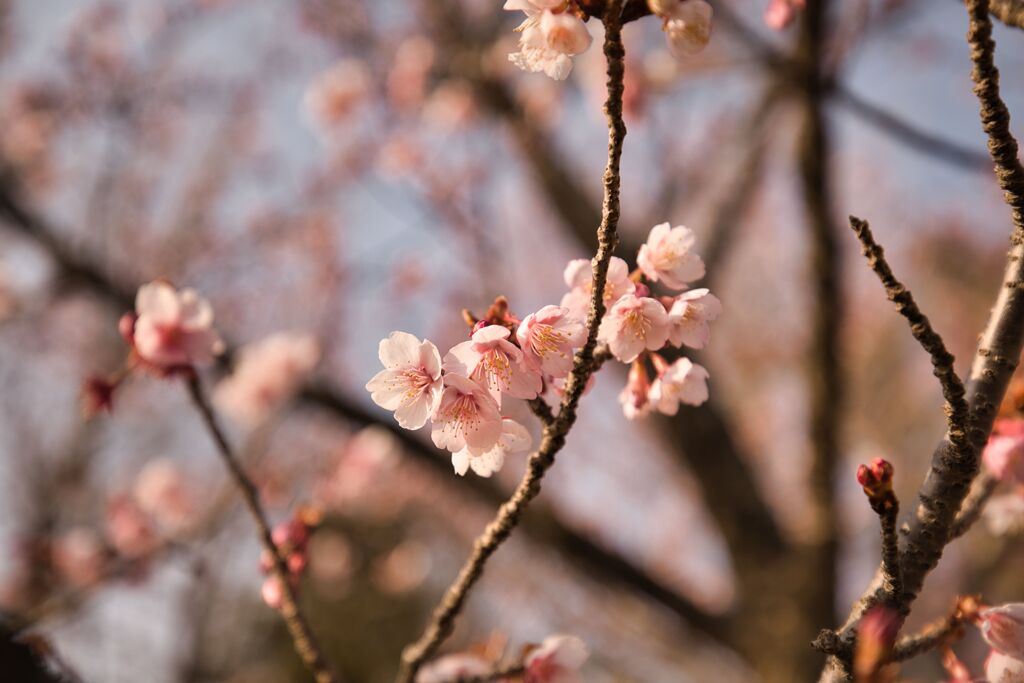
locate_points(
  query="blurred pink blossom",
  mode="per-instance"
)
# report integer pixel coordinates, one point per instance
(557, 660)
(174, 328)
(268, 372)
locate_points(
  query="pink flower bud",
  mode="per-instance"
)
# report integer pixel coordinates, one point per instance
(272, 592)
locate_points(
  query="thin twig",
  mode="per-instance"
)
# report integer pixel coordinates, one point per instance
(302, 635)
(585, 363)
(1010, 12)
(938, 634)
(974, 504)
(957, 412)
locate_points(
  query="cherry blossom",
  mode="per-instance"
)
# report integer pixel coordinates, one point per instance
(557, 660)
(666, 257)
(780, 13)
(466, 416)
(335, 94)
(688, 28)
(163, 494)
(632, 325)
(78, 555)
(410, 383)
(514, 439)
(579, 277)
(495, 362)
(174, 329)
(1003, 628)
(548, 40)
(689, 315)
(268, 372)
(635, 397)
(1004, 452)
(682, 382)
(1002, 668)
(548, 339)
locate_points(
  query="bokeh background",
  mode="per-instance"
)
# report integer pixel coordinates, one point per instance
(176, 138)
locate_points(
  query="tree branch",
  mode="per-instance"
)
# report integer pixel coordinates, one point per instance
(953, 469)
(957, 412)
(584, 365)
(298, 626)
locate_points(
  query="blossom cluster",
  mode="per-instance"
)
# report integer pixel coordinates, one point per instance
(463, 394)
(555, 31)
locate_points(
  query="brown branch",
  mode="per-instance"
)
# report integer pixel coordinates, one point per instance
(1010, 12)
(953, 469)
(938, 634)
(584, 365)
(957, 412)
(974, 504)
(302, 635)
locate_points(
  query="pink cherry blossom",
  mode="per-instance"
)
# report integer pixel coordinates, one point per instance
(666, 257)
(780, 13)
(514, 439)
(548, 40)
(635, 397)
(495, 362)
(689, 316)
(548, 339)
(579, 277)
(466, 416)
(335, 94)
(682, 382)
(453, 667)
(1004, 452)
(163, 494)
(688, 28)
(272, 592)
(128, 528)
(78, 555)
(1003, 628)
(557, 660)
(174, 329)
(632, 325)
(410, 383)
(268, 372)
(1002, 668)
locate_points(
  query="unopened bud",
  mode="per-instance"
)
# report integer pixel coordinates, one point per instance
(126, 327)
(875, 638)
(876, 478)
